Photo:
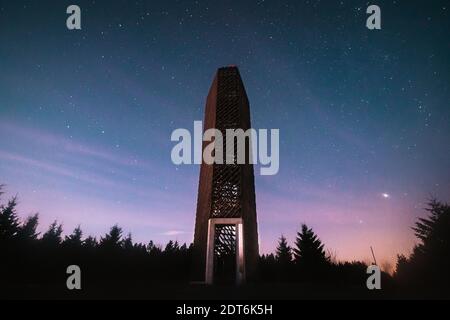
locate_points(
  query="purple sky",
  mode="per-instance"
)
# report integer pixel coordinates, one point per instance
(87, 184)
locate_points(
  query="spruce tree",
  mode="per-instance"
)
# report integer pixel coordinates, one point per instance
(309, 252)
(283, 257)
(74, 240)
(283, 252)
(153, 249)
(113, 239)
(128, 243)
(27, 231)
(433, 231)
(52, 237)
(90, 243)
(429, 262)
(170, 247)
(9, 221)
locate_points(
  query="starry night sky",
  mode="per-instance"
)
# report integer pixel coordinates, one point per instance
(364, 116)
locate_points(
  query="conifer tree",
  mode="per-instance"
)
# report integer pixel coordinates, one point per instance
(74, 240)
(113, 239)
(309, 251)
(27, 231)
(52, 236)
(283, 252)
(9, 221)
(128, 243)
(90, 243)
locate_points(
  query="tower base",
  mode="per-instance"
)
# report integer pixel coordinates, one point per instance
(225, 243)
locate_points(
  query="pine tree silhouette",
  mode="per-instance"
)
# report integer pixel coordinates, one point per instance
(90, 243)
(184, 248)
(433, 231)
(9, 221)
(128, 243)
(427, 267)
(113, 239)
(27, 231)
(52, 237)
(283, 252)
(283, 258)
(153, 249)
(170, 247)
(309, 253)
(74, 240)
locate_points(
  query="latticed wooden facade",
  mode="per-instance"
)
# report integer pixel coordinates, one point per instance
(226, 191)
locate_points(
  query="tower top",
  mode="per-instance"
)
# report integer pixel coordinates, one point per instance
(231, 66)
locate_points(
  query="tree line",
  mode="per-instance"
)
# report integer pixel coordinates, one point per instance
(308, 261)
(424, 272)
(28, 258)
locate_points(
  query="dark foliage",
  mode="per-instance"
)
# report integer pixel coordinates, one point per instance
(114, 262)
(9, 222)
(29, 260)
(309, 255)
(307, 262)
(283, 258)
(283, 252)
(427, 268)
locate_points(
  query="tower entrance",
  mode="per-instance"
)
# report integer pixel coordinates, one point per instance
(225, 263)
(224, 254)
